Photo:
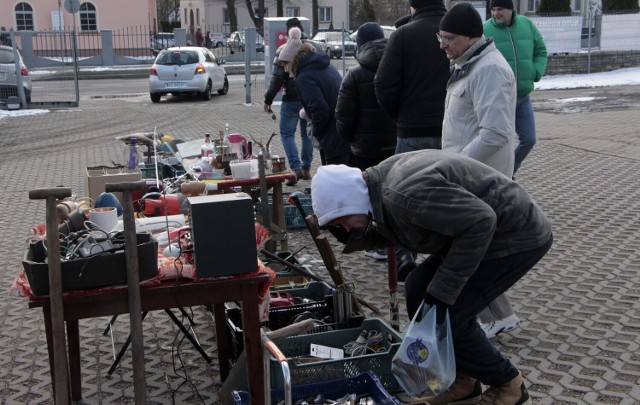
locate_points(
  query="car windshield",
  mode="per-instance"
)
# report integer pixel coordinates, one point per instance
(177, 58)
(6, 56)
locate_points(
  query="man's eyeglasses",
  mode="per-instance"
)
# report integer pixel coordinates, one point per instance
(445, 40)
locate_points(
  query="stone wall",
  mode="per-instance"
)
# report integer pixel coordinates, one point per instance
(601, 61)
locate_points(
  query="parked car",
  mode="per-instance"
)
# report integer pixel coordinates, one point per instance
(9, 76)
(218, 39)
(162, 40)
(236, 42)
(386, 29)
(187, 69)
(331, 42)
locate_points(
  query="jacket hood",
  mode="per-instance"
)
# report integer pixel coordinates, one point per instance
(370, 54)
(297, 59)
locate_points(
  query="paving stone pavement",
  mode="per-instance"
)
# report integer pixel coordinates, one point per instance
(579, 339)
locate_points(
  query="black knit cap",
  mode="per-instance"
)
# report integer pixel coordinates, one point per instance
(462, 19)
(508, 4)
(294, 22)
(368, 32)
(423, 3)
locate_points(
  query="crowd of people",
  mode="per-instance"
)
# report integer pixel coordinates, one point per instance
(419, 144)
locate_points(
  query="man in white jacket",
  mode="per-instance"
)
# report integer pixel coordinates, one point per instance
(479, 117)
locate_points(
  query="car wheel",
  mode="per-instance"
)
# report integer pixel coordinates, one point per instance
(328, 51)
(155, 97)
(218, 44)
(206, 94)
(225, 88)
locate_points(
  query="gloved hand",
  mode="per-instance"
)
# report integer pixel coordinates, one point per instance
(441, 307)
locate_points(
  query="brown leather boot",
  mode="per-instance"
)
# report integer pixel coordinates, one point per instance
(513, 392)
(464, 391)
(306, 172)
(293, 182)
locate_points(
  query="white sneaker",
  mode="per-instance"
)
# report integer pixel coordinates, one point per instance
(376, 254)
(494, 328)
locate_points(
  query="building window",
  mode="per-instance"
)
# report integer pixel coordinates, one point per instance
(88, 21)
(532, 5)
(185, 16)
(325, 14)
(577, 5)
(24, 17)
(293, 12)
(197, 17)
(225, 16)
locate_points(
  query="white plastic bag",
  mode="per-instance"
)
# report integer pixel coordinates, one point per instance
(425, 364)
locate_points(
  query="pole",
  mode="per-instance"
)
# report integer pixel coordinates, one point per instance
(133, 284)
(60, 361)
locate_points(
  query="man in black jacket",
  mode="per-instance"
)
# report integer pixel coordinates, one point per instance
(411, 80)
(411, 87)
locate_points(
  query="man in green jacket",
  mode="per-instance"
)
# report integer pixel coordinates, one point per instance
(521, 44)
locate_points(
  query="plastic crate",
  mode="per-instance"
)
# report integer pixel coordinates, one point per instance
(324, 370)
(292, 216)
(364, 384)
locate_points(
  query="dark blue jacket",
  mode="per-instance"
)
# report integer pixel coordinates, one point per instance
(318, 84)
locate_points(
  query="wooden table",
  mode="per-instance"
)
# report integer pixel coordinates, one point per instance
(278, 224)
(167, 295)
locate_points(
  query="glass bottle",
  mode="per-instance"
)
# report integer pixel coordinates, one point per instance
(132, 155)
(207, 148)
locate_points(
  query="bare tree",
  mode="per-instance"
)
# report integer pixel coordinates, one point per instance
(233, 18)
(257, 19)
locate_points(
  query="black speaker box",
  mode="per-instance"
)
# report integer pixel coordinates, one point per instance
(223, 233)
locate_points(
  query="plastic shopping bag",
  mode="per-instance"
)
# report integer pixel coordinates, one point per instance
(425, 364)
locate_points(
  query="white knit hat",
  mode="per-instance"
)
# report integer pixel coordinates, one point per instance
(292, 46)
(338, 191)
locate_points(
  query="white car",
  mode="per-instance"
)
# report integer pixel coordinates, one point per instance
(187, 69)
(8, 76)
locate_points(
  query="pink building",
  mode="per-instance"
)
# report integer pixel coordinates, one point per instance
(93, 16)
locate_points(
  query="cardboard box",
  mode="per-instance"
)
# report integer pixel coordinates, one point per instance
(96, 271)
(98, 176)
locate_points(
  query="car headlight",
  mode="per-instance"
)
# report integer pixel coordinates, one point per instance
(337, 47)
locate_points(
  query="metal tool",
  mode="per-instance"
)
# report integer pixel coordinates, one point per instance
(133, 283)
(392, 274)
(328, 257)
(61, 364)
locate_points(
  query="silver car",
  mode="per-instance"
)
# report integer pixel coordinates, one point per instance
(9, 77)
(187, 69)
(332, 42)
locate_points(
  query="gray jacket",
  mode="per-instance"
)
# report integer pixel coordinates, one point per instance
(479, 117)
(443, 203)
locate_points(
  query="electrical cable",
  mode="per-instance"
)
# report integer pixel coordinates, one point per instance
(367, 342)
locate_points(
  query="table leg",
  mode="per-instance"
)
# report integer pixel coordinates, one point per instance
(253, 344)
(74, 358)
(222, 339)
(277, 214)
(73, 342)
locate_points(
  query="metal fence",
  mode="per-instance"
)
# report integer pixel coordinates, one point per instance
(55, 84)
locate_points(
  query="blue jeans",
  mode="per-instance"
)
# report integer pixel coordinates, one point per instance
(289, 120)
(525, 128)
(474, 353)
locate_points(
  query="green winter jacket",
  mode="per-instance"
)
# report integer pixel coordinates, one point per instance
(523, 47)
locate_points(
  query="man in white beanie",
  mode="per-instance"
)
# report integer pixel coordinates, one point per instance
(482, 230)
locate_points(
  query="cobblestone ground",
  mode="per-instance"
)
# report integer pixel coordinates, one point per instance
(580, 334)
